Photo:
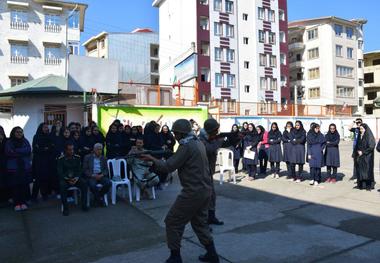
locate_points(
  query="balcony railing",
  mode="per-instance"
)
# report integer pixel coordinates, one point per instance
(19, 60)
(53, 28)
(53, 61)
(19, 25)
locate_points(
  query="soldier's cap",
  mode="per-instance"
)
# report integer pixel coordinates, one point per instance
(181, 126)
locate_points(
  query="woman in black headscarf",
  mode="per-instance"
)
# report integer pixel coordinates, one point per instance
(4, 191)
(244, 130)
(315, 145)
(152, 138)
(19, 170)
(332, 158)
(98, 135)
(250, 143)
(298, 140)
(134, 135)
(364, 158)
(75, 136)
(167, 138)
(42, 160)
(114, 142)
(274, 150)
(87, 142)
(235, 140)
(287, 148)
(263, 149)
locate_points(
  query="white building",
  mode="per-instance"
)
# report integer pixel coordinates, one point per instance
(232, 55)
(372, 83)
(326, 62)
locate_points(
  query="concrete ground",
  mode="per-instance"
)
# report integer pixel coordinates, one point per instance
(267, 220)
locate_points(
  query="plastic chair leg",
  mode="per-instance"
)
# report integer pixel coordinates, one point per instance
(153, 192)
(221, 177)
(113, 194)
(130, 192)
(137, 193)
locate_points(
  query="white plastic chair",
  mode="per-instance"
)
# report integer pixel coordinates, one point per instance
(138, 192)
(115, 169)
(105, 197)
(75, 191)
(226, 163)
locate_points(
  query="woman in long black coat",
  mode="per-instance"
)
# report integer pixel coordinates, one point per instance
(298, 140)
(287, 148)
(167, 137)
(98, 135)
(332, 158)
(4, 191)
(87, 142)
(364, 158)
(274, 150)
(250, 142)
(114, 143)
(315, 145)
(236, 146)
(263, 149)
(42, 162)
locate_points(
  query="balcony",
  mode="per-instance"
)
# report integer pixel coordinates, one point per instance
(19, 60)
(53, 28)
(296, 46)
(19, 25)
(53, 61)
(295, 64)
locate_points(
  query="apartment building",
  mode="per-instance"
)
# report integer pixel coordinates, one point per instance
(326, 62)
(372, 83)
(33, 38)
(233, 51)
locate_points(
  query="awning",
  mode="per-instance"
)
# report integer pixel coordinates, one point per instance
(52, 42)
(19, 4)
(18, 39)
(52, 8)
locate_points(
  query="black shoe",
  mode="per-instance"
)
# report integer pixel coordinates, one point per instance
(175, 257)
(65, 212)
(215, 221)
(211, 256)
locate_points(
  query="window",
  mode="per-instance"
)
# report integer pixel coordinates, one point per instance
(281, 15)
(360, 63)
(102, 43)
(283, 59)
(372, 95)
(19, 20)
(246, 88)
(338, 30)
(338, 50)
(230, 55)
(203, 23)
(313, 53)
(369, 78)
(271, 15)
(218, 54)
(52, 23)
(361, 82)
(273, 61)
(230, 80)
(312, 34)
(218, 5)
(73, 20)
(229, 6)
(350, 53)
(245, 40)
(272, 38)
(246, 64)
(230, 31)
(347, 92)
(205, 48)
(263, 60)
(18, 80)
(203, 2)
(261, 13)
(313, 73)
(349, 32)
(261, 36)
(245, 17)
(218, 80)
(314, 93)
(74, 48)
(282, 37)
(273, 84)
(19, 54)
(283, 81)
(52, 55)
(205, 75)
(218, 29)
(360, 44)
(375, 62)
(263, 83)
(345, 72)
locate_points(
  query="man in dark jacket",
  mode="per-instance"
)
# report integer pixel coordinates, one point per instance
(211, 140)
(192, 203)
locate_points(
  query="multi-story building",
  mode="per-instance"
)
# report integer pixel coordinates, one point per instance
(326, 62)
(34, 37)
(233, 51)
(136, 52)
(372, 83)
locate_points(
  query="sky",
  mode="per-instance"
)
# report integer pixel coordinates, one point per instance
(126, 15)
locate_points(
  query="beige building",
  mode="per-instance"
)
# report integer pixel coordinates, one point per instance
(326, 62)
(372, 83)
(34, 37)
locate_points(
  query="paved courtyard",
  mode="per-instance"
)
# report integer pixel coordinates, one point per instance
(267, 220)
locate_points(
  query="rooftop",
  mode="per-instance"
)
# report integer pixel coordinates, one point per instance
(324, 19)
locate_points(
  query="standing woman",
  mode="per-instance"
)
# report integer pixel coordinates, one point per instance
(42, 160)
(244, 130)
(4, 191)
(332, 157)
(274, 150)
(19, 169)
(87, 142)
(287, 148)
(98, 136)
(167, 137)
(235, 140)
(76, 141)
(315, 144)
(263, 149)
(114, 143)
(298, 140)
(364, 158)
(250, 143)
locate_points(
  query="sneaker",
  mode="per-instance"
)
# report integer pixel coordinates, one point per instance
(24, 207)
(277, 176)
(333, 181)
(250, 178)
(273, 176)
(312, 182)
(18, 208)
(298, 181)
(328, 180)
(316, 183)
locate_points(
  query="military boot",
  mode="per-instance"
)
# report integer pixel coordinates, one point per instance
(211, 256)
(175, 257)
(212, 220)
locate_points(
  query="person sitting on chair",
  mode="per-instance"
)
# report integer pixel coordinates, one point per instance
(145, 179)
(96, 172)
